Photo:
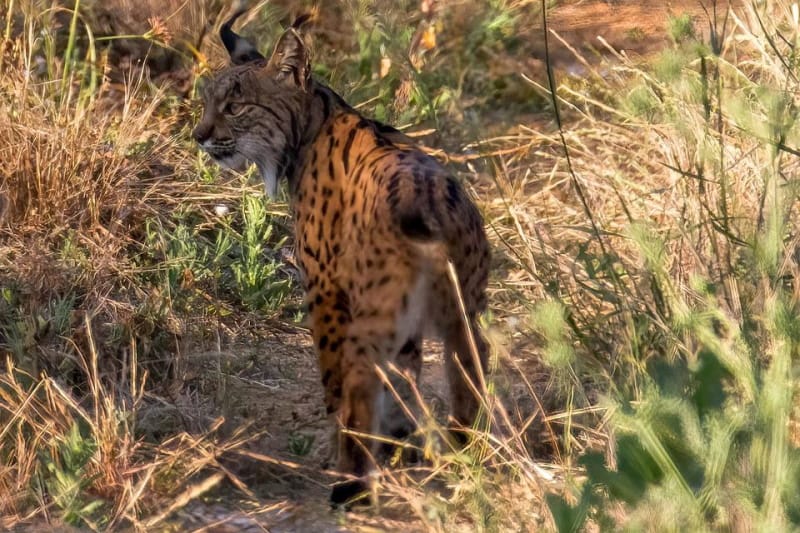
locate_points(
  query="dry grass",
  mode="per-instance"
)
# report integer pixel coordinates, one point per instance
(668, 231)
(77, 456)
(664, 201)
(83, 318)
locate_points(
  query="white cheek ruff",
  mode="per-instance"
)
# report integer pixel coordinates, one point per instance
(269, 173)
(235, 162)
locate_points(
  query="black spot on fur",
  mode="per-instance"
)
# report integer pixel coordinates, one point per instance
(453, 197)
(346, 152)
(408, 347)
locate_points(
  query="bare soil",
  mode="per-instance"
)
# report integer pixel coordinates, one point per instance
(636, 28)
(273, 385)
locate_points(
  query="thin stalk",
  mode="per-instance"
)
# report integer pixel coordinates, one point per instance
(68, 53)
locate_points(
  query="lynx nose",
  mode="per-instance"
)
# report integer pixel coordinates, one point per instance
(201, 133)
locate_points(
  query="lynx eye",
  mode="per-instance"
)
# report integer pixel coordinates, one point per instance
(233, 108)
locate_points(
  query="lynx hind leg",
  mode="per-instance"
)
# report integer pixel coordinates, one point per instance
(461, 366)
(399, 405)
(358, 419)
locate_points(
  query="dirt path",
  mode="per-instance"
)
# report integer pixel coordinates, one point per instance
(274, 385)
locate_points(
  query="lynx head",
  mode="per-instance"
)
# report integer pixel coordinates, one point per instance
(255, 110)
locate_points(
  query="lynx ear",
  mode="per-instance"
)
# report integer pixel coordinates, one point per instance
(239, 48)
(291, 59)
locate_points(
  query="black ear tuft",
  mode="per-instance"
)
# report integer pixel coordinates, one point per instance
(302, 20)
(239, 48)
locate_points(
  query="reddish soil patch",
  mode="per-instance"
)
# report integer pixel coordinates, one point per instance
(636, 27)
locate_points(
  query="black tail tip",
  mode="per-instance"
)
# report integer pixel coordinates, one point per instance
(414, 226)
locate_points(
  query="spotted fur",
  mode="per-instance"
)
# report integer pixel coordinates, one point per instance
(376, 220)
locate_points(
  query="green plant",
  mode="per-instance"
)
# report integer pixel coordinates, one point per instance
(235, 259)
(635, 34)
(705, 444)
(255, 276)
(66, 478)
(300, 444)
(702, 383)
(681, 28)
